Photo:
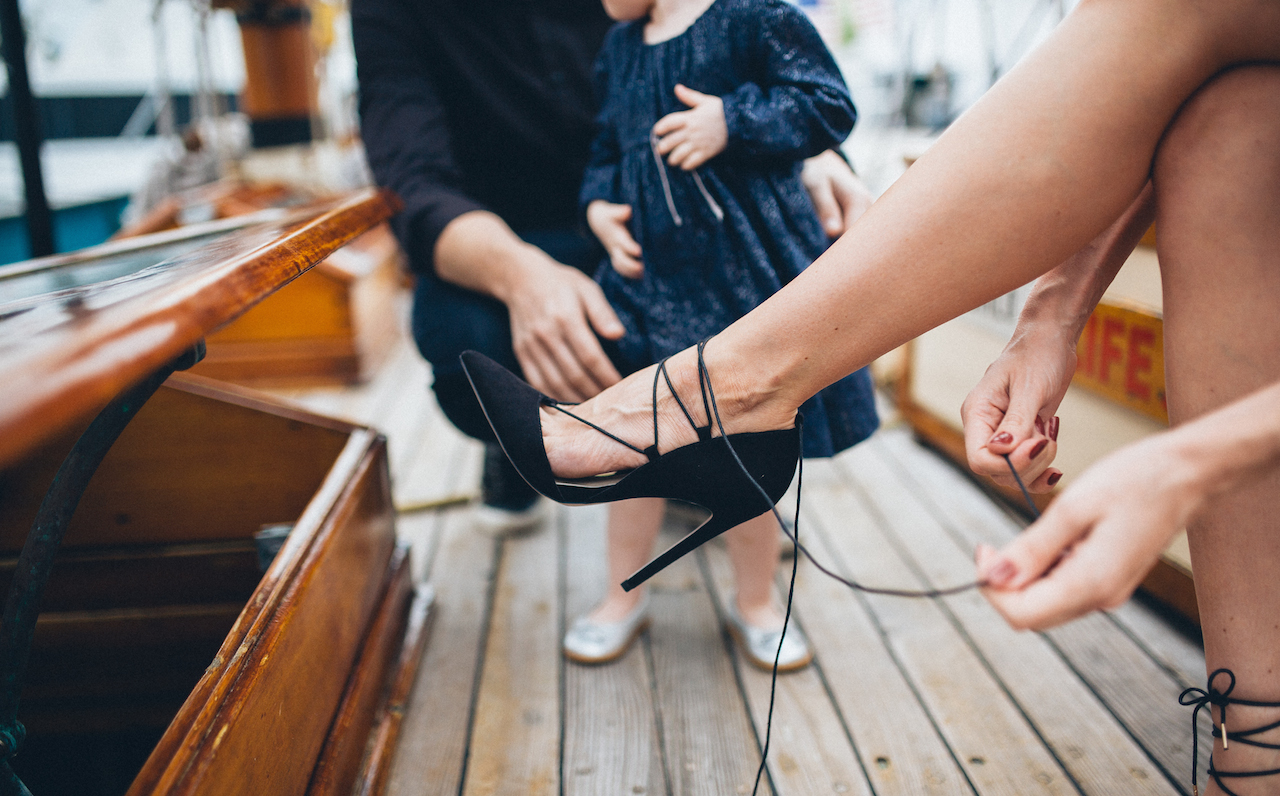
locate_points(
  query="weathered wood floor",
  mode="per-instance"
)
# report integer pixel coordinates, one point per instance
(906, 696)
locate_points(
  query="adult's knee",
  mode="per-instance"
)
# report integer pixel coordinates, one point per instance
(1230, 127)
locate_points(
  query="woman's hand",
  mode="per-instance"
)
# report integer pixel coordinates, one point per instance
(690, 138)
(1012, 409)
(609, 223)
(1098, 539)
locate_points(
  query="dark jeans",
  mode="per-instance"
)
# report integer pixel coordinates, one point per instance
(448, 320)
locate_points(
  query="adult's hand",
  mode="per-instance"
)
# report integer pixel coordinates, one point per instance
(1012, 409)
(838, 194)
(556, 310)
(1098, 539)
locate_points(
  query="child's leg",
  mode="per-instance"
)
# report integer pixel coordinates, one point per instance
(633, 527)
(753, 552)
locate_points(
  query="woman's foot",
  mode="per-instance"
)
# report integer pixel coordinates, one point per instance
(575, 450)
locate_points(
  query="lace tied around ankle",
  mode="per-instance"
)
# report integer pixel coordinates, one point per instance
(1203, 698)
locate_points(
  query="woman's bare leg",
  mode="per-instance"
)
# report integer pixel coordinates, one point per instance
(633, 527)
(1035, 170)
(1217, 180)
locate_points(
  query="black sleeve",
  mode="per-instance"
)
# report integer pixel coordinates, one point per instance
(600, 180)
(798, 104)
(405, 129)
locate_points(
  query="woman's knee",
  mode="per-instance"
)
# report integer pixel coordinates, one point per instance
(1233, 121)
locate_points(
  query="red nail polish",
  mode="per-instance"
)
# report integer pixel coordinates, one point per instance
(1002, 573)
(1053, 429)
(1039, 448)
(1003, 438)
(1053, 479)
(1039, 424)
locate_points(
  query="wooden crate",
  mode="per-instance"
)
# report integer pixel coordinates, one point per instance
(158, 623)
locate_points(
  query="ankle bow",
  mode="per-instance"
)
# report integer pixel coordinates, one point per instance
(1202, 698)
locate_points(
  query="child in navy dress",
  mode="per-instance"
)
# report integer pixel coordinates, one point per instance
(708, 110)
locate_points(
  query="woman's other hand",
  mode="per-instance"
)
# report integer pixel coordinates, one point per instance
(1012, 410)
(609, 223)
(690, 138)
(1098, 539)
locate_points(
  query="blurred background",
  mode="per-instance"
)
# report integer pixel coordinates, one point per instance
(138, 99)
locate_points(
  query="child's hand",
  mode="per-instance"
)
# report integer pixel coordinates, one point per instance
(691, 138)
(609, 223)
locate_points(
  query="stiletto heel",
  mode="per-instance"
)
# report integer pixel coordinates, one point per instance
(705, 473)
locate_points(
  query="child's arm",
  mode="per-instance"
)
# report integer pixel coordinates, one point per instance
(690, 138)
(798, 104)
(600, 196)
(609, 223)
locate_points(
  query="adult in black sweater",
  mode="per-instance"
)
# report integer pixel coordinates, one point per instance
(479, 114)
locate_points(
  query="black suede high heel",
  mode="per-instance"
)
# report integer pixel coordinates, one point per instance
(705, 473)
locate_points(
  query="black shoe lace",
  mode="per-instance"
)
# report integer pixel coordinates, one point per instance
(704, 432)
(1203, 698)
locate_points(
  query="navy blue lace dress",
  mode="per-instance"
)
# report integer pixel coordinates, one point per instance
(718, 241)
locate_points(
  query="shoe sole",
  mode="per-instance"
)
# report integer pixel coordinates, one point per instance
(613, 656)
(763, 665)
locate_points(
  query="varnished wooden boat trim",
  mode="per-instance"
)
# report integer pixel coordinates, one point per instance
(376, 770)
(392, 647)
(181, 759)
(66, 378)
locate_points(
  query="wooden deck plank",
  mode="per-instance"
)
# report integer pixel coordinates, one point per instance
(1136, 689)
(1096, 751)
(515, 739)
(895, 736)
(810, 752)
(611, 737)
(708, 740)
(1182, 655)
(431, 479)
(433, 739)
(999, 752)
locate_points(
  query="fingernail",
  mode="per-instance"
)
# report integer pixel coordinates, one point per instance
(1039, 424)
(1002, 574)
(1053, 479)
(1053, 428)
(1002, 438)
(1039, 448)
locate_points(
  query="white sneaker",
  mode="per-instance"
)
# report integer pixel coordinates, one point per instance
(503, 523)
(759, 646)
(589, 641)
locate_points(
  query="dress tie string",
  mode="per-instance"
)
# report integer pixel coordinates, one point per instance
(716, 210)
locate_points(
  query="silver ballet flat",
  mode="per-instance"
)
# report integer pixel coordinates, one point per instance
(760, 645)
(589, 641)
